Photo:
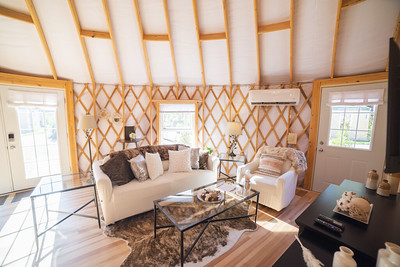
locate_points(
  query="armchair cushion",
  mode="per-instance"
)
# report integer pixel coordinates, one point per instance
(270, 165)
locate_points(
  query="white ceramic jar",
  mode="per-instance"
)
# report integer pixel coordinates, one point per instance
(344, 258)
(389, 256)
(393, 180)
(372, 180)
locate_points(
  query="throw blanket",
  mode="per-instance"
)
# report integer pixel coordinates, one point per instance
(299, 161)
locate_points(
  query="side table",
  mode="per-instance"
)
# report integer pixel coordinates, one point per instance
(62, 183)
(128, 141)
(224, 157)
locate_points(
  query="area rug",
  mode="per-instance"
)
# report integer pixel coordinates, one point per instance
(218, 238)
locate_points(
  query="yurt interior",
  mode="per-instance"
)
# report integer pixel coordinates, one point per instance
(199, 133)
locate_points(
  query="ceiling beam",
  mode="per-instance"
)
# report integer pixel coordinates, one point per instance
(82, 41)
(291, 45)
(257, 42)
(15, 15)
(213, 36)
(274, 27)
(95, 34)
(335, 37)
(165, 5)
(227, 43)
(114, 45)
(156, 37)
(39, 29)
(196, 22)
(349, 3)
(145, 53)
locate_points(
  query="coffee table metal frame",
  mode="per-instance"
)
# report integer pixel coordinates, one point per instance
(207, 220)
(34, 195)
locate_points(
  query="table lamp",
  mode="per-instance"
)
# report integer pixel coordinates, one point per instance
(233, 130)
(88, 123)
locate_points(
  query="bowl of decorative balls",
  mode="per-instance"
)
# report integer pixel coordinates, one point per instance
(355, 207)
(210, 196)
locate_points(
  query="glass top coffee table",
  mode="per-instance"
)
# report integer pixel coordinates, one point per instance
(187, 209)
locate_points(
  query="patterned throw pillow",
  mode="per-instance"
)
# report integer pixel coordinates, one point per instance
(139, 168)
(194, 155)
(179, 161)
(270, 165)
(154, 165)
(203, 159)
(118, 170)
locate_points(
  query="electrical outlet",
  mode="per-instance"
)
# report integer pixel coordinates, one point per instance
(292, 138)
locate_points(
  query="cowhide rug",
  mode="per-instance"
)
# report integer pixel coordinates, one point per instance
(138, 231)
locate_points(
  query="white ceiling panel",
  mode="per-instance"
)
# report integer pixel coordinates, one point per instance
(128, 42)
(103, 61)
(363, 41)
(153, 16)
(211, 16)
(185, 43)
(17, 5)
(21, 49)
(216, 66)
(91, 15)
(273, 11)
(162, 69)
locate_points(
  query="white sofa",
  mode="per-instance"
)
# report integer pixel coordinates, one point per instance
(275, 192)
(119, 202)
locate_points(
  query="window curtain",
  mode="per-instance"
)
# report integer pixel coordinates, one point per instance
(356, 98)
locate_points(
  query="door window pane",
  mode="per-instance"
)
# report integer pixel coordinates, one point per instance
(39, 140)
(352, 126)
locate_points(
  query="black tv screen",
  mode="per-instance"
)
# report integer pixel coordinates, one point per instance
(392, 162)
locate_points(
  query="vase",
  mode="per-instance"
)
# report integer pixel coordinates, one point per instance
(372, 180)
(344, 258)
(383, 188)
(389, 256)
(393, 180)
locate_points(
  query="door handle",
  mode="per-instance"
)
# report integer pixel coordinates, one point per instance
(320, 150)
(12, 147)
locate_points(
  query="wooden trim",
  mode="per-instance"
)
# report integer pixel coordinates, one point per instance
(165, 5)
(338, 12)
(213, 36)
(146, 55)
(158, 123)
(257, 42)
(13, 79)
(83, 44)
(12, 14)
(95, 34)
(39, 29)
(176, 101)
(196, 124)
(156, 37)
(196, 22)
(291, 44)
(315, 111)
(349, 3)
(274, 27)
(227, 43)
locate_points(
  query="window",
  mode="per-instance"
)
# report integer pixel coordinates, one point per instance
(352, 126)
(177, 123)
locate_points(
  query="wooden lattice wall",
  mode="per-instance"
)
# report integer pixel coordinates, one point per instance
(261, 125)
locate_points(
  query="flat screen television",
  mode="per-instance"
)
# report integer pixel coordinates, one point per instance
(392, 161)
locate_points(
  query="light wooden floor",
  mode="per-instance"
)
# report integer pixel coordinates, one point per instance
(79, 242)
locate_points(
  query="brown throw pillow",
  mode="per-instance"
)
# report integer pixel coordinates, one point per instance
(203, 159)
(118, 169)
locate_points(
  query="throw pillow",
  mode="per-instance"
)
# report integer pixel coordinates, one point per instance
(271, 165)
(154, 165)
(179, 161)
(118, 169)
(139, 168)
(203, 159)
(194, 155)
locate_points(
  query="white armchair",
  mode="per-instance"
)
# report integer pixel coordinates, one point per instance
(275, 192)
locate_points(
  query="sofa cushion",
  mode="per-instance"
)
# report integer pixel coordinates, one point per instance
(270, 165)
(154, 165)
(139, 168)
(179, 161)
(161, 149)
(203, 159)
(118, 169)
(194, 155)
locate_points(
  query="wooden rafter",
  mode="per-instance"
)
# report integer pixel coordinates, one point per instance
(39, 29)
(15, 15)
(227, 43)
(213, 36)
(95, 34)
(146, 55)
(165, 5)
(196, 22)
(257, 43)
(291, 45)
(349, 3)
(156, 37)
(339, 9)
(82, 41)
(274, 27)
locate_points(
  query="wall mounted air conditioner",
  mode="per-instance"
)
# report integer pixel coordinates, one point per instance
(272, 97)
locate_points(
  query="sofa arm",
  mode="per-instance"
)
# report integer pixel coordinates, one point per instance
(241, 170)
(213, 163)
(286, 185)
(103, 182)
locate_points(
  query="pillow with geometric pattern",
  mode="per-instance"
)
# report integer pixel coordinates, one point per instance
(270, 165)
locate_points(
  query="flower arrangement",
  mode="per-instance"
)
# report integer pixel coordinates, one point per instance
(132, 136)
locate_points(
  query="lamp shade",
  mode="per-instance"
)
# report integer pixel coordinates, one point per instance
(234, 128)
(87, 121)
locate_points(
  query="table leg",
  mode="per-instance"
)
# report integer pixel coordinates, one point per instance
(97, 205)
(155, 221)
(220, 166)
(123, 145)
(182, 250)
(47, 208)
(35, 222)
(255, 218)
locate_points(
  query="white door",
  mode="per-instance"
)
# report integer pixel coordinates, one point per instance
(351, 139)
(34, 124)
(5, 172)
